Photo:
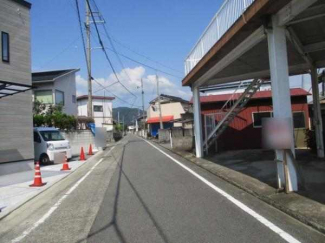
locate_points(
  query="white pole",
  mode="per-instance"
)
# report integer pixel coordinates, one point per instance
(197, 123)
(281, 96)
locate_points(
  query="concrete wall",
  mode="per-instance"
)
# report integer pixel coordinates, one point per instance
(83, 138)
(16, 123)
(185, 143)
(164, 135)
(182, 139)
(78, 139)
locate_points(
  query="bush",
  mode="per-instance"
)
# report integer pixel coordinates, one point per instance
(57, 119)
(39, 120)
(52, 116)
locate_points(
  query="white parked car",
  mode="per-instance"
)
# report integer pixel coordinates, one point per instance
(47, 142)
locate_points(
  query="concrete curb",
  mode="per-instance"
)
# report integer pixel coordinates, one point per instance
(12, 209)
(191, 158)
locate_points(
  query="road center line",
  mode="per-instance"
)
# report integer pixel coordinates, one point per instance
(239, 204)
(57, 204)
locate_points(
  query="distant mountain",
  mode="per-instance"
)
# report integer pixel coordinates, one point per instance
(129, 114)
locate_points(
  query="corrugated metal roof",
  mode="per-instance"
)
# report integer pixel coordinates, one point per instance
(258, 95)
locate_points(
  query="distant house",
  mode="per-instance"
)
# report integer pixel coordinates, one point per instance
(245, 131)
(172, 109)
(16, 118)
(57, 87)
(102, 110)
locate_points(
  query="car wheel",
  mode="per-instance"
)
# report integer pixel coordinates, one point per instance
(44, 159)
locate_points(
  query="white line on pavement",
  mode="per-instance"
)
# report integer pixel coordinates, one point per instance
(239, 204)
(57, 204)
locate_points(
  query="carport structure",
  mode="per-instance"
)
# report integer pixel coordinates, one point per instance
(264, 39)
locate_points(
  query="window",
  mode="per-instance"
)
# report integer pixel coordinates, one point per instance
(52, 135)
(258, 117)
(44, 96)
(74, 100)
(5, 46)
(37, 138)
(59, 97)
(98, 108)
(299, 119)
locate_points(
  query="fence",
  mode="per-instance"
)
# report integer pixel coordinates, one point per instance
(227, 15)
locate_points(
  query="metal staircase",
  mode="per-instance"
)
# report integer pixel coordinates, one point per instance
(237, 107)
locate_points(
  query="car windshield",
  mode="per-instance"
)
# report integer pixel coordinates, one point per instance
(51, 135)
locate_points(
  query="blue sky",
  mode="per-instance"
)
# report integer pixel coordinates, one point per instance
(163, 30)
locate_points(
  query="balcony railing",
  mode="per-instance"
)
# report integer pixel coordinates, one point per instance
(227, 15)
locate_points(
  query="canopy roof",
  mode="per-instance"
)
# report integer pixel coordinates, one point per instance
(11, 88)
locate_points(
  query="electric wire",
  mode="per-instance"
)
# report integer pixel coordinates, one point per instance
(85, 52)
(104, 50)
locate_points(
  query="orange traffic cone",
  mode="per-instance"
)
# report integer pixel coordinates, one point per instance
(38, 177)
(82, 154)
(90, 151)
(65, 165)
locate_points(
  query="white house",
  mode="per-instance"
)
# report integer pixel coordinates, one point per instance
(56, 87)
(102, 110)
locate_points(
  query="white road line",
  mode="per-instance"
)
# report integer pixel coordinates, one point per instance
(239, 204)
(57, 204)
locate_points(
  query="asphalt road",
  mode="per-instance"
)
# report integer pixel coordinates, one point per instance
(138, 193)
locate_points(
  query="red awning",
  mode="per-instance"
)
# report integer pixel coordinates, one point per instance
(157, 120)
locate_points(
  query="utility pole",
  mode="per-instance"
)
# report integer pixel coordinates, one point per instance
(142, 104)
(90, 101)
(159, 105)
(118, 118)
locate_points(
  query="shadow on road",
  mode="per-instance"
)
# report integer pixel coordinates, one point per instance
(113, 222)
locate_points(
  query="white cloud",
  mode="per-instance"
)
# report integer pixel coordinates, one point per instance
(131, 78)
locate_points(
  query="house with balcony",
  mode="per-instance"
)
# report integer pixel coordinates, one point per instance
(56, 87)
(102, 110)
(16, 118)
(259, 40)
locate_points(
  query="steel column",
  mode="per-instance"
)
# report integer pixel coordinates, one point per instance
(281, 96)
(317, 114)
(197, 123)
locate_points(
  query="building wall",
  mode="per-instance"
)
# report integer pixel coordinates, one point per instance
(241, 134)
(169, 109)
(67, 84)
(105, 117)
(16, 123)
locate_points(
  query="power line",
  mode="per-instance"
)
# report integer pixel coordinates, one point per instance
(111, 39)
(82, 34)
(104, 50)
(148, 58)
(105, 87)
(111, 42)
(124, 101)
(84, 48)
(61, 52)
